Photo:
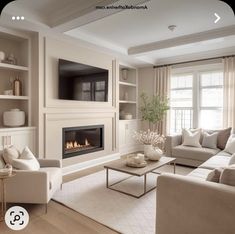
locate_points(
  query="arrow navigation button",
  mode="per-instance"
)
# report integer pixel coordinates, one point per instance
(217, 18)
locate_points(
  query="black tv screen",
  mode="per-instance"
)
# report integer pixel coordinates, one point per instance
(82, 82)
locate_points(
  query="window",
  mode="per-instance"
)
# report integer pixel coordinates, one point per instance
(196, 100)
(211, 100)
(181, 102)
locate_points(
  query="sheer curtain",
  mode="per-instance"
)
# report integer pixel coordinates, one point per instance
(229, 92)
(162, 88)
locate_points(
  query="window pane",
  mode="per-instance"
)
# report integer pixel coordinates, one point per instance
(183, 81)
(100, 85)
(100, 96)
(212, 97)
(181, 98)
(181, 119)
(211, 119)
(211, 79)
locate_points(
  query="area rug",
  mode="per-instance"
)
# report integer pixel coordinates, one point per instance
(90, 197)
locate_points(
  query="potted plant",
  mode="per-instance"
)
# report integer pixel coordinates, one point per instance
(152, 110)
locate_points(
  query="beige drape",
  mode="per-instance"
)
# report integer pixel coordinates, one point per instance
(162, 88)
(229, 92)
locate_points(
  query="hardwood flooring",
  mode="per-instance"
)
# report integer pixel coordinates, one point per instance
(60, 219)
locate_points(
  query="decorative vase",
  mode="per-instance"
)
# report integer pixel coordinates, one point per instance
(152, 153)
(17, 87)
(14, 118)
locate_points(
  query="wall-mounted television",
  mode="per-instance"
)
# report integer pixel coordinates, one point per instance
(82, 82)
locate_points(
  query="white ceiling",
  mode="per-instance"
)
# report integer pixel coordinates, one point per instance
(139, 37)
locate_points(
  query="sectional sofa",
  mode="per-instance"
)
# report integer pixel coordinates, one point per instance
(191, 204)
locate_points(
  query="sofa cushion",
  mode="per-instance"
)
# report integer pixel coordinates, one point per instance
(232, 160)
(200, 173)
(216, 162)
(214, 176)
(200, 154)
(191, 138)
(210, 140)
(55, 174)
(228, 176)
(9, 154)
(230, 146)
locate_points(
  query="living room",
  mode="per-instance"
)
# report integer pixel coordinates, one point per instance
(97, 98)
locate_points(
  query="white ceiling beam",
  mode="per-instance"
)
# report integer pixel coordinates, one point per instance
(75, 18)
(183, 40)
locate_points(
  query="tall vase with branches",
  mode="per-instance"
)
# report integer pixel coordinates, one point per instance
(153, 109)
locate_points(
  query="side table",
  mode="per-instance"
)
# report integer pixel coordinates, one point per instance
(3, 194)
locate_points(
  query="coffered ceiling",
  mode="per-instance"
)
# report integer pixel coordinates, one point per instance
(139, 37)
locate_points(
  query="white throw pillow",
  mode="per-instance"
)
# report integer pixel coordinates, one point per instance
(26, 161)
(9, 154)
(210, 140)
(191, 138)
(230, 146)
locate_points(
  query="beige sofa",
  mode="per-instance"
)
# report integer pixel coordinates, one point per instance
(35, 187)
(187, 155)
(191, 205)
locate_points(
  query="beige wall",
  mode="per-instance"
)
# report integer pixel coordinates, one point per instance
(146, 82)
(51, 114)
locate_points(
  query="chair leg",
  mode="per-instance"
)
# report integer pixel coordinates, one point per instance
(46, 208)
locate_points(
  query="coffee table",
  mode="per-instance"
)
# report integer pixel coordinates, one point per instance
(151, 167)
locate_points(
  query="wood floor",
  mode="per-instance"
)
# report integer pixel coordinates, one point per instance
(60, 219)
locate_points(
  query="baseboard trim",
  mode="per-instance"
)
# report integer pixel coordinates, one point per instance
(88, 164)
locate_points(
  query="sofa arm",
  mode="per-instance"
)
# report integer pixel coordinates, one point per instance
(28, 187)
(187, 205)
(172, 141)
(50, 163)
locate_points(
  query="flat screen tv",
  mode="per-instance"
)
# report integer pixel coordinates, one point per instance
(82, 82)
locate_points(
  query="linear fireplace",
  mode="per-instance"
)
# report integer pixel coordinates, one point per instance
(82, 140)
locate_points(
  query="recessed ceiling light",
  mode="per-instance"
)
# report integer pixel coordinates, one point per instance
(172, 27)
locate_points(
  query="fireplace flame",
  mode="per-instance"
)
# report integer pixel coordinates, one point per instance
(75, 144)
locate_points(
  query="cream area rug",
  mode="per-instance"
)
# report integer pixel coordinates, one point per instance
(90, 197)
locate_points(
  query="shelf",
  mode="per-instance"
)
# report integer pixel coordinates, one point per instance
(13, 67)
(11, 97)
(128, 102)
(127, 84)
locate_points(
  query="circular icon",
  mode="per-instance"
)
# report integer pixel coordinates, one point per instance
(16, 218)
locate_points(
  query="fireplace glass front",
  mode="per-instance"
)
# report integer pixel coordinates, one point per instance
(82, 140)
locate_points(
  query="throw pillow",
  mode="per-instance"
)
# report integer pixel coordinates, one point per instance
(232, 160)
(214, 176)
(223, 136)
(9, 154)
(228, 176)
(191, 138)
(230, 146)
(210, 141)
(25, 164)
(26, 161)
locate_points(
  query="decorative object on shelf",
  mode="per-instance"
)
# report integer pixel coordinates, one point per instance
(153, 109)
(8, 92)
(11, 59)
(17, 87)
(2, 56)
(151, 140)
(124, 74)
(14, 118)
(128, 116)
(136, 160)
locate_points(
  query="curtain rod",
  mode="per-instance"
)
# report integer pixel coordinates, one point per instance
(193, 61)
